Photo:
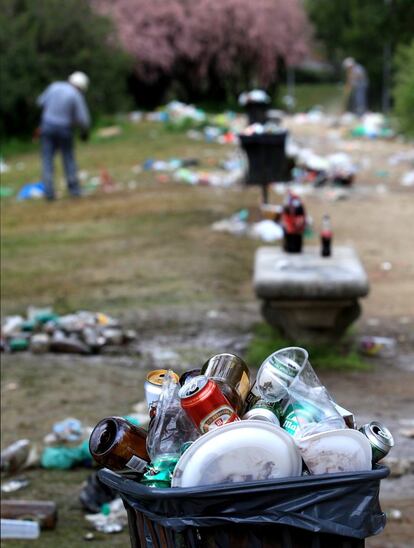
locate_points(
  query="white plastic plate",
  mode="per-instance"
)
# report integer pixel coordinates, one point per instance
(247, 450)
(335, 451)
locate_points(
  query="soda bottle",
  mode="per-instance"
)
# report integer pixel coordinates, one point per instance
(293, 223)
(326, 236)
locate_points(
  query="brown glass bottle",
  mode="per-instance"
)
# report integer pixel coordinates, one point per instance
(118, 445)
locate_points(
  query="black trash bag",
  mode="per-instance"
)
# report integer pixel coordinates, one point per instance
(345, 504)
(95, 493)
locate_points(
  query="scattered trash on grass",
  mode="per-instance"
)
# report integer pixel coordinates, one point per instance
(108, 132)
(384, 347)
(111, 519)
(32, 191)
(4, 168)
(18, 529)
(83, 332)
(18, 456)
(394, 514)
(6, 191)
(408, 179)
(14, 485)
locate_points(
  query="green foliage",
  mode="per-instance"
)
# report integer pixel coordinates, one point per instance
(47, 40)
(361, 29)
(340, 356)
(404, 88)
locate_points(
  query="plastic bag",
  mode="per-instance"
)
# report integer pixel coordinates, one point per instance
(338, 504)
(64, 458)
(171, 427)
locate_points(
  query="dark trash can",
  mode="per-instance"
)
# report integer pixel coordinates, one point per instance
(257, 112)
(338, 510)
(267, 158)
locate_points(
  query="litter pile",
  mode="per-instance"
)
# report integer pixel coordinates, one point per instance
(182, 170)
(219, 128)
(311, 168)
(239, 224)
(214, 134)
(373, 125)
(269, 127)
(82, 332)
(178, 113)
(285, 424)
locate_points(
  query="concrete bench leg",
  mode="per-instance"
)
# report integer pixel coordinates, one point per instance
(311, 321)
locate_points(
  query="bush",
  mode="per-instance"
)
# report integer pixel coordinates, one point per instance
(404, 88)
(46, 40)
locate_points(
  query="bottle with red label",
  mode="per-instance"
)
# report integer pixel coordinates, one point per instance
(293, 223)
(205, 404)
(326, 237)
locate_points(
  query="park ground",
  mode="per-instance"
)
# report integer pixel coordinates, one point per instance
(146, 253)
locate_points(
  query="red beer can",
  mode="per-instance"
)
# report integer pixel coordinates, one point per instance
(205, 404)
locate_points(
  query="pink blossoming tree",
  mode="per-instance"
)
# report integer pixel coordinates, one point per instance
(202, 44)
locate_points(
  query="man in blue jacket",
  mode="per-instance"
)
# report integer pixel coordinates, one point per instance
(63, 108)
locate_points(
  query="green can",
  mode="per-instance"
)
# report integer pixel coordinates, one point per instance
(265, 410)
(380, 438)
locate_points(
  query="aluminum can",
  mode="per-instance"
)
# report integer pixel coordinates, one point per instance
(379, 437)
(205, 404)
(256, 407)
(232, 375)
(185, 377)
(153, 384)
(262, 414)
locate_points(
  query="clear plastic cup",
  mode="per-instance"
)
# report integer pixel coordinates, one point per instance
(278, 372)
(287, 376)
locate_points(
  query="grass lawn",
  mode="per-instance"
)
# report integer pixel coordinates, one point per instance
(328, 95)
(133, 247)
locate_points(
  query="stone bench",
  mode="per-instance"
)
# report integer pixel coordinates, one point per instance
(308, 297)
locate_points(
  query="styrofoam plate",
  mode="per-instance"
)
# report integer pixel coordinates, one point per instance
(344, 450)
(247, 450)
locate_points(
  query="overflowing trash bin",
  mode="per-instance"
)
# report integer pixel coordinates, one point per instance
(231, 462)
